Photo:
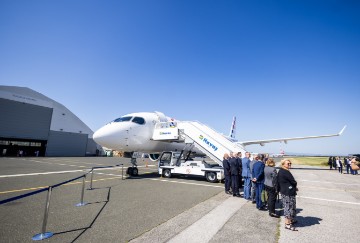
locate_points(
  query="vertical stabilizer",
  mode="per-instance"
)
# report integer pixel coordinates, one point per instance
(233, 128)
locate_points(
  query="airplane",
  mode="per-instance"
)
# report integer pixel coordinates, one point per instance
(281, 154)
(134, 132)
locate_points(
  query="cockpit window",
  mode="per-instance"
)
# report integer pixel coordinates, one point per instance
(138, 120)
(122, 119)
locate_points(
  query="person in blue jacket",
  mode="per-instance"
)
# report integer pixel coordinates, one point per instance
(246, 175)
(258, 179)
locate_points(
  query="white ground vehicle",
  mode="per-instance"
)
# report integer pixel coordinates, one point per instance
(174, 163)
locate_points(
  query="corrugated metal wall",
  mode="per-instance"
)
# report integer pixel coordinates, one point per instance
(21, 120)
(66, 144)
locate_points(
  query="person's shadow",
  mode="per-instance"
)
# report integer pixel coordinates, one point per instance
(301, 220)
(306, 221)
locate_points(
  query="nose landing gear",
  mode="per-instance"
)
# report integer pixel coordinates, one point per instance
(133, 171)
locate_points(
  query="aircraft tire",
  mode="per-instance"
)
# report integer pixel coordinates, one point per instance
(167, 173)
(129, 171)
(211, 177)
(135, 171)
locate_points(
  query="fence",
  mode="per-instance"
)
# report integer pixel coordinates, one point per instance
(49, 189)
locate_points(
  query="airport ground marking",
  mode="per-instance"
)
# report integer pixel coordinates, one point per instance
(340, 183)
(41, 173)
(68, 184)
(329, 200)
(328, 189)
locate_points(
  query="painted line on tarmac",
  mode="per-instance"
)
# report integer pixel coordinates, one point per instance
(42, 173)
(41, 187)
(332, 182)
(328, 189)
(328, 200)
(61, 172)
(164, 180)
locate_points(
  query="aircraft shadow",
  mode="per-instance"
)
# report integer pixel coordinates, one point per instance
(84, 229)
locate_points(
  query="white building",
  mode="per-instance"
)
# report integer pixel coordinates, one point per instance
(31, 122)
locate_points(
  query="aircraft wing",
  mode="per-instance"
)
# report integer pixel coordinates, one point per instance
(262, 142)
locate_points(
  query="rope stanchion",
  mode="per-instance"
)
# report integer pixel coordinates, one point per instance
(91, 179)
(122, 172)
(44, 234)
(82, 203)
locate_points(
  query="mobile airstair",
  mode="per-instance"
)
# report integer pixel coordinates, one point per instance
(204, 138)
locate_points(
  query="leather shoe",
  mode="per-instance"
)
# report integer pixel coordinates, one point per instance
(274, 215)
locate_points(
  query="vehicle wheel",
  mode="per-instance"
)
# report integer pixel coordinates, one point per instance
(211, 177)
(167, 173)
(129, 171)
(135, 171)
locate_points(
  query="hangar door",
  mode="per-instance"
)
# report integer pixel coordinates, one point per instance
(66, 144)
(22, 120)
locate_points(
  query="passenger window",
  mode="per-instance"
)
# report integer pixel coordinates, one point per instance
(138, 120)
(122, 119)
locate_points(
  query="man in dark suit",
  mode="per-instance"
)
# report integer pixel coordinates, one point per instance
(234, 170)
(259, 179)
(227, 173)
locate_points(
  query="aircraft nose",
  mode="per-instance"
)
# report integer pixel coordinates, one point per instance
(107, 137)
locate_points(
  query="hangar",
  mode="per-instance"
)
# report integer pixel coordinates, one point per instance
(32, 124)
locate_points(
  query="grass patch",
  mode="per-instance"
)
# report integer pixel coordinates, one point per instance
(313, 161)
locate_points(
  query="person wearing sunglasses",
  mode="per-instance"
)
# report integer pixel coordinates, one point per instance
(288, 189)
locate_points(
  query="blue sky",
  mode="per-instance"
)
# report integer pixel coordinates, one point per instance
(283, 68)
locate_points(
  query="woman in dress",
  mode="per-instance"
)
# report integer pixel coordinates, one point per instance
(288, 189)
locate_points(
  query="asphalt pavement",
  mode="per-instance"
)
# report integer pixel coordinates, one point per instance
(148, 208)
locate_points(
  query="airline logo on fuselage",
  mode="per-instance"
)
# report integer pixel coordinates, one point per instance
(205, 140)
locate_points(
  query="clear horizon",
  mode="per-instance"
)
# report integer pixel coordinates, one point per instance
(283, 68)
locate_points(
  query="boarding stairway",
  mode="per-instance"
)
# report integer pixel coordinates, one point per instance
(201, 136)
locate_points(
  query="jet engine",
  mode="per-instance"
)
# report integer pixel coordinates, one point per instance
(154, 157)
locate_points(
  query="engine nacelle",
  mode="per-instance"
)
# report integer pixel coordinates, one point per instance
(154, 157)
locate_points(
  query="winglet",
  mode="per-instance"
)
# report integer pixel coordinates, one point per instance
(342, 130)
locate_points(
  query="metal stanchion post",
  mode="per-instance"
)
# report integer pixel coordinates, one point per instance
(91, 179)
(43, 234)
(82, 203)
(122, 172)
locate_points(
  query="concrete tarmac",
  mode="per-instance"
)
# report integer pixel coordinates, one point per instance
(148, 208)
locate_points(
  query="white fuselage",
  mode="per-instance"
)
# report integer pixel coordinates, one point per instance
(133, 132)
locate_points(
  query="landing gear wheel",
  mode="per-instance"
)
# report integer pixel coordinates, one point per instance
(135, 171)
(211, 177)
(129, 171)
(167, 173)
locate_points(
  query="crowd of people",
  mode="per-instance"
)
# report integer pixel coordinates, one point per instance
(262, 183)
(340, 164)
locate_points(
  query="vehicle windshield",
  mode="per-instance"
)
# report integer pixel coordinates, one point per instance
(122, 119)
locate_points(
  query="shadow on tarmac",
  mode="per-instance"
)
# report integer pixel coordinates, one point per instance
(307, 221)
(173, 176)
(94, 220)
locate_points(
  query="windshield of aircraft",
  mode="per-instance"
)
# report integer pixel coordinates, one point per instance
(136, 119)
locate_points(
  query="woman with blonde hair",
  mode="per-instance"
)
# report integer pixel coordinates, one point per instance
(288, 188)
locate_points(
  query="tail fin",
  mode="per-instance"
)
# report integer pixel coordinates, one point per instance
(233, 128)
